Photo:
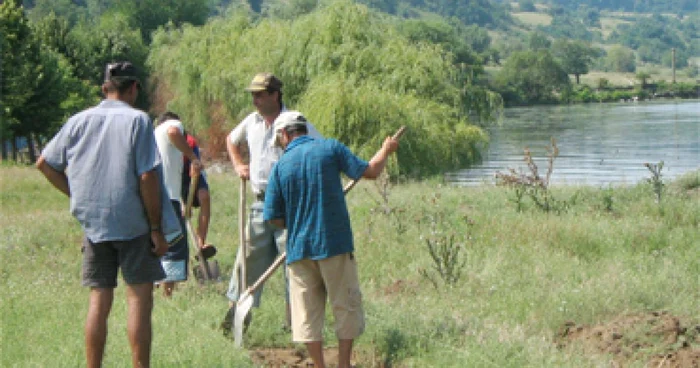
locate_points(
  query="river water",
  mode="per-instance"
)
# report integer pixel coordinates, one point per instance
(599, 144)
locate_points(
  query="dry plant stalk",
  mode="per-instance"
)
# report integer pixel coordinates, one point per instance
(656, 181)
(532, 183)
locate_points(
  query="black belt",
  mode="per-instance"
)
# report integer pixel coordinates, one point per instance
(260, 196)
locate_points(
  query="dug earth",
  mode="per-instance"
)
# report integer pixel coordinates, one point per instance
(657, 338)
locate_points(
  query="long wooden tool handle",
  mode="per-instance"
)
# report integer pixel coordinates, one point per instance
(190, 196)
(278, 262)
(396, 136)
(241, 233)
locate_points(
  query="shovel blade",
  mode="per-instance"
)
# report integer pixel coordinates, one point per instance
(242, 309)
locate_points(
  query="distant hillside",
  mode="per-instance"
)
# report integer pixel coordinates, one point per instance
(643, 6)
(485, 13)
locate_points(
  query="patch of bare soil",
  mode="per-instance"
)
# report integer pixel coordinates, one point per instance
(657, 338)
(291, 358)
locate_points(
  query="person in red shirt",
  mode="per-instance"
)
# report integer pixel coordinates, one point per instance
(201, 200)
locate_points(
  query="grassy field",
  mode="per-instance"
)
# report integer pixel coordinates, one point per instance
(533, 19)
(510, 280)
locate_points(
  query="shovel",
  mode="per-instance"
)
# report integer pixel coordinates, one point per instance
(245, 301)
(243, 277)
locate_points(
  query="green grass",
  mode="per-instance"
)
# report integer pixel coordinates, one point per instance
(524, 275)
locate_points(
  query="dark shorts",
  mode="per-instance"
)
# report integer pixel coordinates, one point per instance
(102, 261)
(201, 184)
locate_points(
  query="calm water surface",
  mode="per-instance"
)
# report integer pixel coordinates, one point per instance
(599, 144)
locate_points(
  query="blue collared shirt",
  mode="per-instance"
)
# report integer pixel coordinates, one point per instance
(103, 151)
(306, 191)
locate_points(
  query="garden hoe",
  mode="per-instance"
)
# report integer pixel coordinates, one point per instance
(245, 301)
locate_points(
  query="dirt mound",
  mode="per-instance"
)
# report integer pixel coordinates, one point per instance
(292, 358)
(658, 338)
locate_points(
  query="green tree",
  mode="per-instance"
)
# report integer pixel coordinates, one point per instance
(66, 9)
(53, 32)
(590, 16)
(643, 77)
(532, 77)
(477, 37)
(526, 6)
(19, 65)
(437, 31)
(109, 38)
(484, 13)
(567, 26)
(39, 88)
(621, 59)
(148, 15)
(646, 29)
(387, 6)
(57, 93)
(574, 56)
(290, 9)
(538, 40)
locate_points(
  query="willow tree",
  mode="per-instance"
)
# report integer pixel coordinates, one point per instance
(346, 67)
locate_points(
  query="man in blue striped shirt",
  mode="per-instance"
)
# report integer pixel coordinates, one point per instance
(106, 160)
(305, 195)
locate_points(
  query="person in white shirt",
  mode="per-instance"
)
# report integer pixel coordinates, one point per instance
(172, 144)
(265, 241)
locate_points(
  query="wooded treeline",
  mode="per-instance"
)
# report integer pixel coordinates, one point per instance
(358, 69)
(349, 68)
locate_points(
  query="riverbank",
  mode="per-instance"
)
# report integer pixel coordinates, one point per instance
(647, 92)
(598, 86)
(520, 285)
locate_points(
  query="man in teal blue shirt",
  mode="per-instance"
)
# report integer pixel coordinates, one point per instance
(305, 195)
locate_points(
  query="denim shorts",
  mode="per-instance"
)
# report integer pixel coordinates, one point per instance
(102, 261)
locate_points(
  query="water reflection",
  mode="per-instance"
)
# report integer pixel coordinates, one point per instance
(599, 144)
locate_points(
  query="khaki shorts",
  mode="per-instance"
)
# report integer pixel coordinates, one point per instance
(310, 283)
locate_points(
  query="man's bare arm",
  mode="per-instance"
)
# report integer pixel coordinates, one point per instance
(378, 162)
(234, 153)
(150, 195)
(149, 187)
(55, 177)
(180, 142)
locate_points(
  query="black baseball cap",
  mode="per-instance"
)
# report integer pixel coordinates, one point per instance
(122, 70)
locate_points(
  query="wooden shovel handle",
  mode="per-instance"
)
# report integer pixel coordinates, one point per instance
(241, 233)
(278, 262)
(396, 136)
(190, 196)
(193, 237)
